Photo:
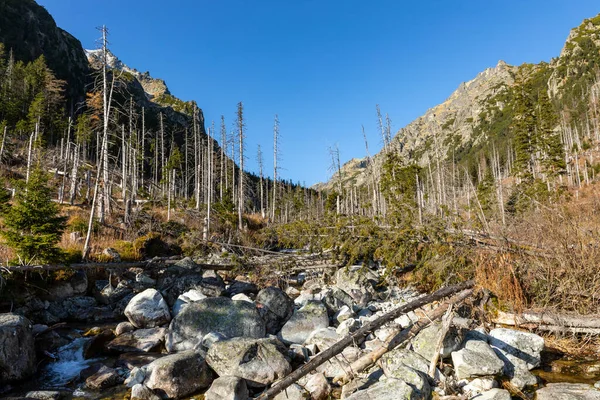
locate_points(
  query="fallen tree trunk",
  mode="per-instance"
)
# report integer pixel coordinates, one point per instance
(398, 336)
(92, 265)
(338, 347)
(551, 318)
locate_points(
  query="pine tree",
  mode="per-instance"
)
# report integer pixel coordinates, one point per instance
(32, 225)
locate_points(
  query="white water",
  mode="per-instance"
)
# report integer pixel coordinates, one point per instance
(70, 362)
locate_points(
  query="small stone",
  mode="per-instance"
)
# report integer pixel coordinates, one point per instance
(242, 297)
(124, 327)
(227, 388)
(103, 379)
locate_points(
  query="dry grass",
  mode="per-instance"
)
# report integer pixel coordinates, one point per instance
(496, 273)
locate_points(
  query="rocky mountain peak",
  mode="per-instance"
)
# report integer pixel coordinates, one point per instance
(153, 87)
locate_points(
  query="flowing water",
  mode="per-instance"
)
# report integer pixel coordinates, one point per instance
(68, 365)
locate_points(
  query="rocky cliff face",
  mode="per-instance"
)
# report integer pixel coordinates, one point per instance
(30, 31)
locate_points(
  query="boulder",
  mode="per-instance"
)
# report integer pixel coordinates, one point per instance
(498, 394)
(259, 361)
(323, 338)
(141, 340)
(47, 395)
(343, 314)
(520, 351)
(212, 284)
(227, 388)
(425, 341)
(357, 281)
(303, 322)
(77, 308)
(148, 310)
(341, 363)
(347, 327)
(17, 348)
(106, 293)
(105, 377)
(242, 297)
(187, 263)
(391, 362)
(237, 287)
(96, 345)
(390, 389)
(317, 385)
(124, 327)
(335, 299)
(476, 358)
(567, 391)
(186, 298)
(478, 386)
(141, 392)
(293, 392)
(214, 314)
(179, 282)
(275, 307)
(136, 360)
(178, 375)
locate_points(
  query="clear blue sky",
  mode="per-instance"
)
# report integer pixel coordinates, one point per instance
(322, 65)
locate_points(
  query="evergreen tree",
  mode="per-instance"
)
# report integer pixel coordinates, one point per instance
(32, 225)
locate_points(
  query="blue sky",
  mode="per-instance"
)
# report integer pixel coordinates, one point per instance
(321, 65)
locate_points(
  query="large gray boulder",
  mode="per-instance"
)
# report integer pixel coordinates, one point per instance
(275, 307)
(568, 391)
(476, 358)
(520, 351)
(17, 348)
(390, 389)
(303, 322)
(214, 314)
(395, 362)
(178, 375)
(227, 388)
(148, 310)
(259, 361)
(186, 298)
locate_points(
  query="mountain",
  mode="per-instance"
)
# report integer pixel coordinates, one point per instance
(29, 31)
(479, 117)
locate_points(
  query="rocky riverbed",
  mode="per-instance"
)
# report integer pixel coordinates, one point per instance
(178, 331)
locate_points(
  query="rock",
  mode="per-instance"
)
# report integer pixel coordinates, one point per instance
(323, 338)
(241, 297)
(343, 314)
(124, 327)
(136, 360)
(293, 392)
(187, 263)
(520, 351)
(476, 358)
(17, 348)
(259, 361)
(77, 308)
(227, 388)
(211, 338)
(148, 310)
(141, 340)
(341, 363)
(347, 327)
(359, 282)
(237, 287)
(47, 395)
(478, 386)
(317, 385)
(212, 284)
(567, 391)
(105, 293)
(275, 307)
(214, 314)
(186, 298)
(497, 394)
(178, 375)
(141, 392)
(425, 341)
(103, 379)
(292, 292)
(298, 353)
(391, 362)
(335, 299)
(144, 280)
(178, 282)
(112, 255)
(303, 322)
(390, 389)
